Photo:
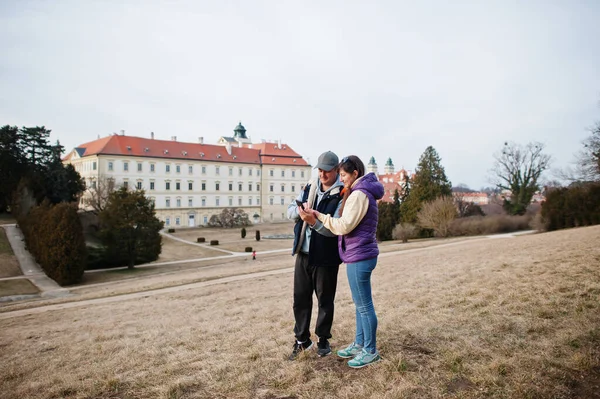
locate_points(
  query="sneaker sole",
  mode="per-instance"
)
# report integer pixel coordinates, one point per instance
(325, 354)
(346, 357)
(366, 364)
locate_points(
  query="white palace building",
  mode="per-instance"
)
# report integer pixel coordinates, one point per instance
(190, 182)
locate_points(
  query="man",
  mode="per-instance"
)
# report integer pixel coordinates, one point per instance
(317, 257)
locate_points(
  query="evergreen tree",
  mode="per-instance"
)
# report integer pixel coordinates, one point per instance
(36, 147)
(27, 158)
(429, 183)
(62, 183)
(388, 218)
(12, 164)
(130, 229)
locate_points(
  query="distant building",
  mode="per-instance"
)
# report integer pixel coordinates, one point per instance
(390, 179)
(190, 182)
(477, 198)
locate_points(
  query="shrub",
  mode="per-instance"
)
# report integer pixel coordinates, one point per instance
(388, 217)
(201, 239)
(577, 205)
(404, 231)
(538, 223)
(171, 230)
(214, 242)
(130, 229)
(105, 258)
(473, 210)
(230, 217)
(478, 225)
(243, 232)
(437, 215)
(54, 236)
(257, 235)
(248, 249)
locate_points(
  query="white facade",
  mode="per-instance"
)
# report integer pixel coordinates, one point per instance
(187, 193)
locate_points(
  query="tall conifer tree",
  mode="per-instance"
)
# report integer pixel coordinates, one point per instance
(430, 182)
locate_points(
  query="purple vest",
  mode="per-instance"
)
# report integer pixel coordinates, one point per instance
(361, 243)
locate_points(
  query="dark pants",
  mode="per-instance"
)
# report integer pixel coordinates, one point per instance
(322, 280)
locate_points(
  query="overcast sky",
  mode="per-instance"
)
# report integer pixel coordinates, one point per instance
(371, 78)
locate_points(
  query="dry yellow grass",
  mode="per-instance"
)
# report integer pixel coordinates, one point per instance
(231, 239)
(499, 318)
(9, 267)
(176, 250)
(20, 286)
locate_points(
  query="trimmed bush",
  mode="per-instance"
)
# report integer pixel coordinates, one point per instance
(54, 236)
(201, 239)
(575, 206)
(248, 249)
(171, 230)
(257, 235)
(214, 242)
(243, 232)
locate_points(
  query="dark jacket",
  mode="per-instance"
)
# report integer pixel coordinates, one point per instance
(323, 251)
(361, 243)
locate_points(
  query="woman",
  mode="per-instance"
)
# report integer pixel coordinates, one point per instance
(357, 245)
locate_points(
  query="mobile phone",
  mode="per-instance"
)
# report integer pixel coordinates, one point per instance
(300, 204)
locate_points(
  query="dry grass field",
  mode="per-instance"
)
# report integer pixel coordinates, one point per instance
(499, 318)
(231, 239)
(9, 267)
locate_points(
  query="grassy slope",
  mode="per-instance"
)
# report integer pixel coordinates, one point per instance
(502, 318)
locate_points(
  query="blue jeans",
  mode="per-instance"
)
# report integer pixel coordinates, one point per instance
(359, 278)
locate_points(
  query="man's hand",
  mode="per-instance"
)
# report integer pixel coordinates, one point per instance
(307, 215)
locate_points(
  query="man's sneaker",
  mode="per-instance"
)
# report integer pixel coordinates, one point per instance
(300, 347)
(323, 347)
(351, 351)
(363, 359)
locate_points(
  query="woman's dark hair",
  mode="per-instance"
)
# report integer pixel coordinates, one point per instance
(349, 164)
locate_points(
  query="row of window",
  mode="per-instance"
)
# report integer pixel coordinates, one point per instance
(178, 168)
(190, 185)
(191, 220)
(230, 201)
(177, 186)
(111, 168)
(203, 202)
(178, 221)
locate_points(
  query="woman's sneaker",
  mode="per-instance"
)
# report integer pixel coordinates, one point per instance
(351, 351)
(363, 359)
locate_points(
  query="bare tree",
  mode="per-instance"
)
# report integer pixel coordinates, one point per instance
(518, 169)
(96, 195)
(588, 159)
(437, 215)
(461, 202)
(404, 231)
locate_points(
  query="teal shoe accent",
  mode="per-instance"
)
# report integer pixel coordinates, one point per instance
(363, 359)
(351, 351)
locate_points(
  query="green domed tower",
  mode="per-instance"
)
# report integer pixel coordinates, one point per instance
(372, 166)
(389, 167)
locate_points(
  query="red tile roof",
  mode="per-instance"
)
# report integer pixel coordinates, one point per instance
(275, 154)
(391, 182)
(170, 149)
